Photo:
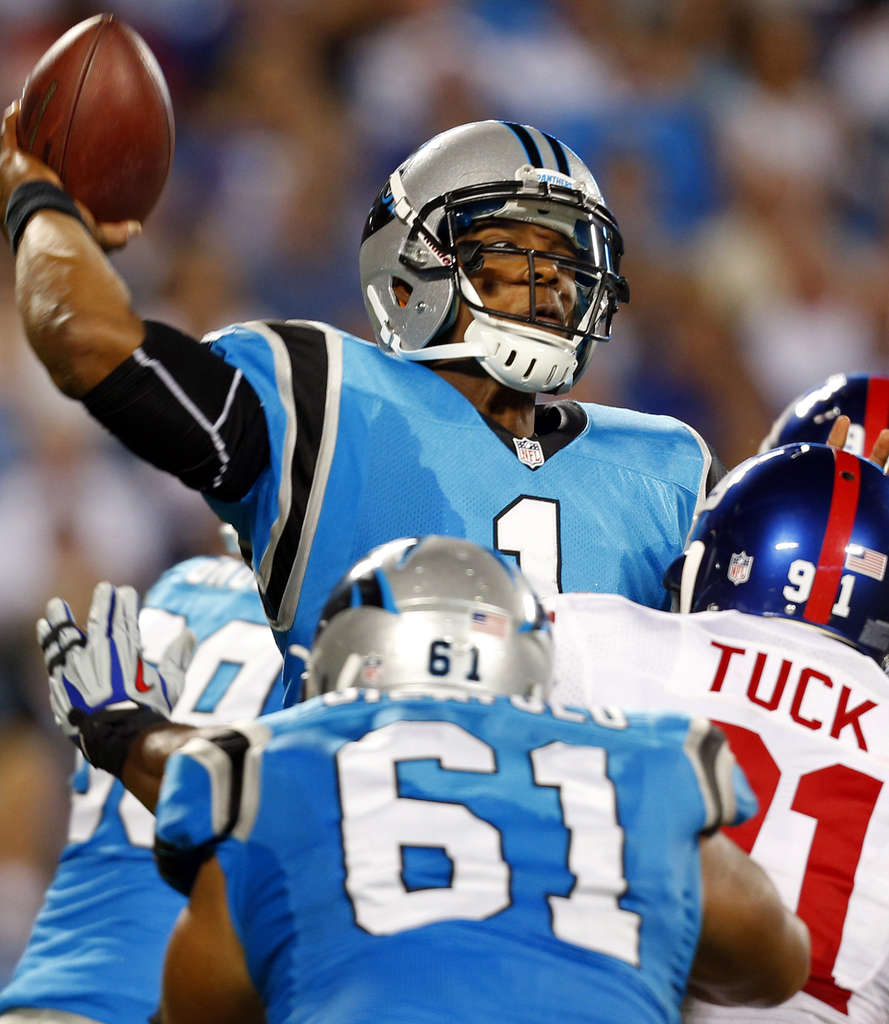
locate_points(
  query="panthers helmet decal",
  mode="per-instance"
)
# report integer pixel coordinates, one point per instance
(433, 615)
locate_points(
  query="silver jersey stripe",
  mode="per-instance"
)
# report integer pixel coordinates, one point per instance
(724, 770)
(218, 766)
(697, 730)
(212, 429)
(259, 736)
(323, 461)
(705, 471)
(284, 384)
(714, 773)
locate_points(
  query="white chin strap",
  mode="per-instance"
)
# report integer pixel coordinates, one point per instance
(514, 355)
(519, 356)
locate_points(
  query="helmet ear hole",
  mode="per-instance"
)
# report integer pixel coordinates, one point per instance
(402, 291)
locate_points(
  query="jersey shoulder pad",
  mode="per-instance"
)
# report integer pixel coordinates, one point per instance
(250, 337)
(210, 791)
(660, 446)
(221, 571)
(727, 796)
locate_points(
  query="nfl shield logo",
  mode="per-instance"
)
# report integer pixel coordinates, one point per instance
(739, 567)
(372, 669)
(529, 451)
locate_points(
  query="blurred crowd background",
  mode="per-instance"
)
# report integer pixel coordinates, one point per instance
(742, 144)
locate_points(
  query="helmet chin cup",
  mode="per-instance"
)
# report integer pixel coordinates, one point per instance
(522, 358)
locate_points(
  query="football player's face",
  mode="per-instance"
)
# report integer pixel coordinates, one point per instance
(502, 280)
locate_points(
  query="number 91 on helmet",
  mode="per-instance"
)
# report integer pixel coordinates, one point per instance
(801, 533)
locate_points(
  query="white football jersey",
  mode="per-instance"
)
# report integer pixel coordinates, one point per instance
(808, 719)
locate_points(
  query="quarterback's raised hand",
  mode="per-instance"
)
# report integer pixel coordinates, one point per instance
(102, 692)
(18, 167)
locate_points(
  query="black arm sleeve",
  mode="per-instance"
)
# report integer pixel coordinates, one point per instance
(182, 408)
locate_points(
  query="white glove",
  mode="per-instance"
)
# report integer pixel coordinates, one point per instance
(104, 667)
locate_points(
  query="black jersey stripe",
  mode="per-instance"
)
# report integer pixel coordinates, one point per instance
(524, 136)
(302, 354)
(300, 359)
(230, 758)
(323, 460)
(558, 151)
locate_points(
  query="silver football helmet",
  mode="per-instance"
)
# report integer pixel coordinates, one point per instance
(478, 172)
(432, 615)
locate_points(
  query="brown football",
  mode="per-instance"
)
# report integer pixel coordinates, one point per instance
(96, 108)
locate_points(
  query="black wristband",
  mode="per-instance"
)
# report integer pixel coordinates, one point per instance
(179, 866)
(106, 735)
(31, 197)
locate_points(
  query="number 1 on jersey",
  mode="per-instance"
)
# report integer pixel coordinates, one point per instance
(528, 528)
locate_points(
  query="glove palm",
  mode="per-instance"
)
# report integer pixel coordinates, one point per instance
(103, 667)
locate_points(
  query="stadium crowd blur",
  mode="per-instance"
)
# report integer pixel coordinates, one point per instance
(742, 144)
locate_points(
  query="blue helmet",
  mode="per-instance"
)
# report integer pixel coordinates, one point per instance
(800, 532)
(861, 397)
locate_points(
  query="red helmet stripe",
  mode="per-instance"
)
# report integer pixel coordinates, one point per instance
(843, 508)
(876, 411)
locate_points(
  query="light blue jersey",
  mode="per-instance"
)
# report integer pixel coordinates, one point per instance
(364, 449)
(98, 943)
(421, 861)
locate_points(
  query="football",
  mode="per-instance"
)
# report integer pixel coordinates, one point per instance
(97, 110)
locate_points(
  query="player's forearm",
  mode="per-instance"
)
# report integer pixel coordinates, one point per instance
(773, 966)
(74, 306)
(184, 409)
(752, 949)
(206, 978)
(146, 759)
